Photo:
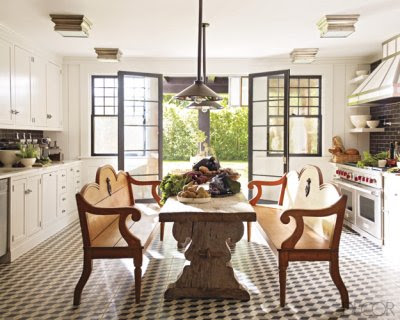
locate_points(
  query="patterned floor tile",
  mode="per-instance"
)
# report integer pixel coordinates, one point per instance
(40, 284)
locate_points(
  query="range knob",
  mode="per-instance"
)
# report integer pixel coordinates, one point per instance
(363, 179)
(367, 180)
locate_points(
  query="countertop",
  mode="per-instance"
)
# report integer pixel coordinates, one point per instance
(15, 172)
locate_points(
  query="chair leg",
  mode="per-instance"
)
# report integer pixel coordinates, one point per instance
(337, 280)
(162, 226)
(248, 231)
(283, 264)
(138, 283)
(87, 270)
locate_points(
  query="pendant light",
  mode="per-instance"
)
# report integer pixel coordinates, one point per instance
(206, 104)
(198, 91)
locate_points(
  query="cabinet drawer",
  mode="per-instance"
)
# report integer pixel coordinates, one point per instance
(62, 181)
(62, 205)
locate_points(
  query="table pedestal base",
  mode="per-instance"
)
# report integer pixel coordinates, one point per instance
(210, 274)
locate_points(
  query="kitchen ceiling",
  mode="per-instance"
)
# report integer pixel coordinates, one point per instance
(249, 29)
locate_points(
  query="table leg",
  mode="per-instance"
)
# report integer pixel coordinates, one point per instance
(210, 274)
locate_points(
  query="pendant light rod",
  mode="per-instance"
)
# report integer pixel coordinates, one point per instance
(199, 40)
(204, 25)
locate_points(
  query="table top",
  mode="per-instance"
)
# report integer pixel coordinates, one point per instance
(232, 208)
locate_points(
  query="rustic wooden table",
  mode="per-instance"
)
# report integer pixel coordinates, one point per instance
(209, 226)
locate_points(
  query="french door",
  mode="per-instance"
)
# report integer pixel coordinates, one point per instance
(268, 126)
(140, 127)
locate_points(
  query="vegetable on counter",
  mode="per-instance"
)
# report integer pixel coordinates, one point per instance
(370, 160)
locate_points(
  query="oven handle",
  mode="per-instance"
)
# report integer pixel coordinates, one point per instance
(354, 187)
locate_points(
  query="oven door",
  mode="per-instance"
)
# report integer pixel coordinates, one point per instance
(350, 212)
(369, 212)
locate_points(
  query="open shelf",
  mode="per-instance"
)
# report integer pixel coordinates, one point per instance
(366, 130)
(358, 79)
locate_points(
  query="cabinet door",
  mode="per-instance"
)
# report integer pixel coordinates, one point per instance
(53, 96)
(6, 116)
(18, 228)
(22, 87)
(49, 198)
(33, 207)
(38, 92)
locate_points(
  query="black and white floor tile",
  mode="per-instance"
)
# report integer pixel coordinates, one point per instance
(40, 284)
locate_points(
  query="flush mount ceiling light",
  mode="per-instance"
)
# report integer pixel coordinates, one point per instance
(303, 55)
(198, 91)
(337, 26)
(108, 54)
(205, 105)
(71, 25)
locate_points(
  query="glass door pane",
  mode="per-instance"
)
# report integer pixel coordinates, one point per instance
(140, 127)
(268, 127)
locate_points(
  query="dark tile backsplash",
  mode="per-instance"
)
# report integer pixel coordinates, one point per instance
(10, 134)
(380, 141)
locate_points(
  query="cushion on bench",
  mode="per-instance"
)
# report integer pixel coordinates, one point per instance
(268, 217)
(307, 191)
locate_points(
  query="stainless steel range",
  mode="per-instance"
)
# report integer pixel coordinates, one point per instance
(364, 190)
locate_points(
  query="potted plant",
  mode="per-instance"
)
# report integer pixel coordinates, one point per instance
(27, 154)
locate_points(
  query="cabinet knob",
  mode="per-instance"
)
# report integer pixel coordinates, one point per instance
(28, 191)
(396, 194)
(49, 116)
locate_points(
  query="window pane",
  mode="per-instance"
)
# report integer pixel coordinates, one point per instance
(314, 83)
(105, 102)
(99, 82)
(303, 82)
(303, 135)
(294, 82)
(294, 111)
(275, 138)
(314, 92)
(106, 135)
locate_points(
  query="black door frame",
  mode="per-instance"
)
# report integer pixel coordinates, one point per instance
(121, 127)
(286, 74)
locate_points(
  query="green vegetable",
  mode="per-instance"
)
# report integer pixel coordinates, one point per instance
(371, 160)
(234, 186)
(171, 185)
(27, 151)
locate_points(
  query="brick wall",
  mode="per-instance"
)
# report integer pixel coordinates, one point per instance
(381, 141)
(8, 134)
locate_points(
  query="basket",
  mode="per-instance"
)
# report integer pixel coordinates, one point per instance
(343, 158)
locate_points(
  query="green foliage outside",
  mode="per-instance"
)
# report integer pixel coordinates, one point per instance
(181, 136)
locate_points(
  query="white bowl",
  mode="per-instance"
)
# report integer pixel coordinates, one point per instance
(361, 73)
(360, 121)
(373, 123)
(8, 157)
(28, 162)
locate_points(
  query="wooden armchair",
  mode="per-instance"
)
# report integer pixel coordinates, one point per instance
(305, 225)
(114, 226)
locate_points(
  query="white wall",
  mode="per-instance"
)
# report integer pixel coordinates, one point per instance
(75, 140)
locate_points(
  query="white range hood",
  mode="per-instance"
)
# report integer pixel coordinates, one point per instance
(383, 85)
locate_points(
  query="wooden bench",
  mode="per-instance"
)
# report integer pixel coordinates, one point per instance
(305, 225)
(113, 225)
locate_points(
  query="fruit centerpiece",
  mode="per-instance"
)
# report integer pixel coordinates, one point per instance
(187, 186)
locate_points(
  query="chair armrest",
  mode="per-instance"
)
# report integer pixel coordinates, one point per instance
(338, 208)
(123, 212)
(154, 184)
(258, 183)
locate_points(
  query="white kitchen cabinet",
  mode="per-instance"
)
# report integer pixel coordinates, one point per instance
(42, 203)
(22, 65)
(6, 115)
(33, 208)
(53, 74)
(49, 198)
(18, 229)
(38, 92)
(392, 210)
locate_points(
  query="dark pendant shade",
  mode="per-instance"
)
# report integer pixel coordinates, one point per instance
(205, 106)
(198, 92)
